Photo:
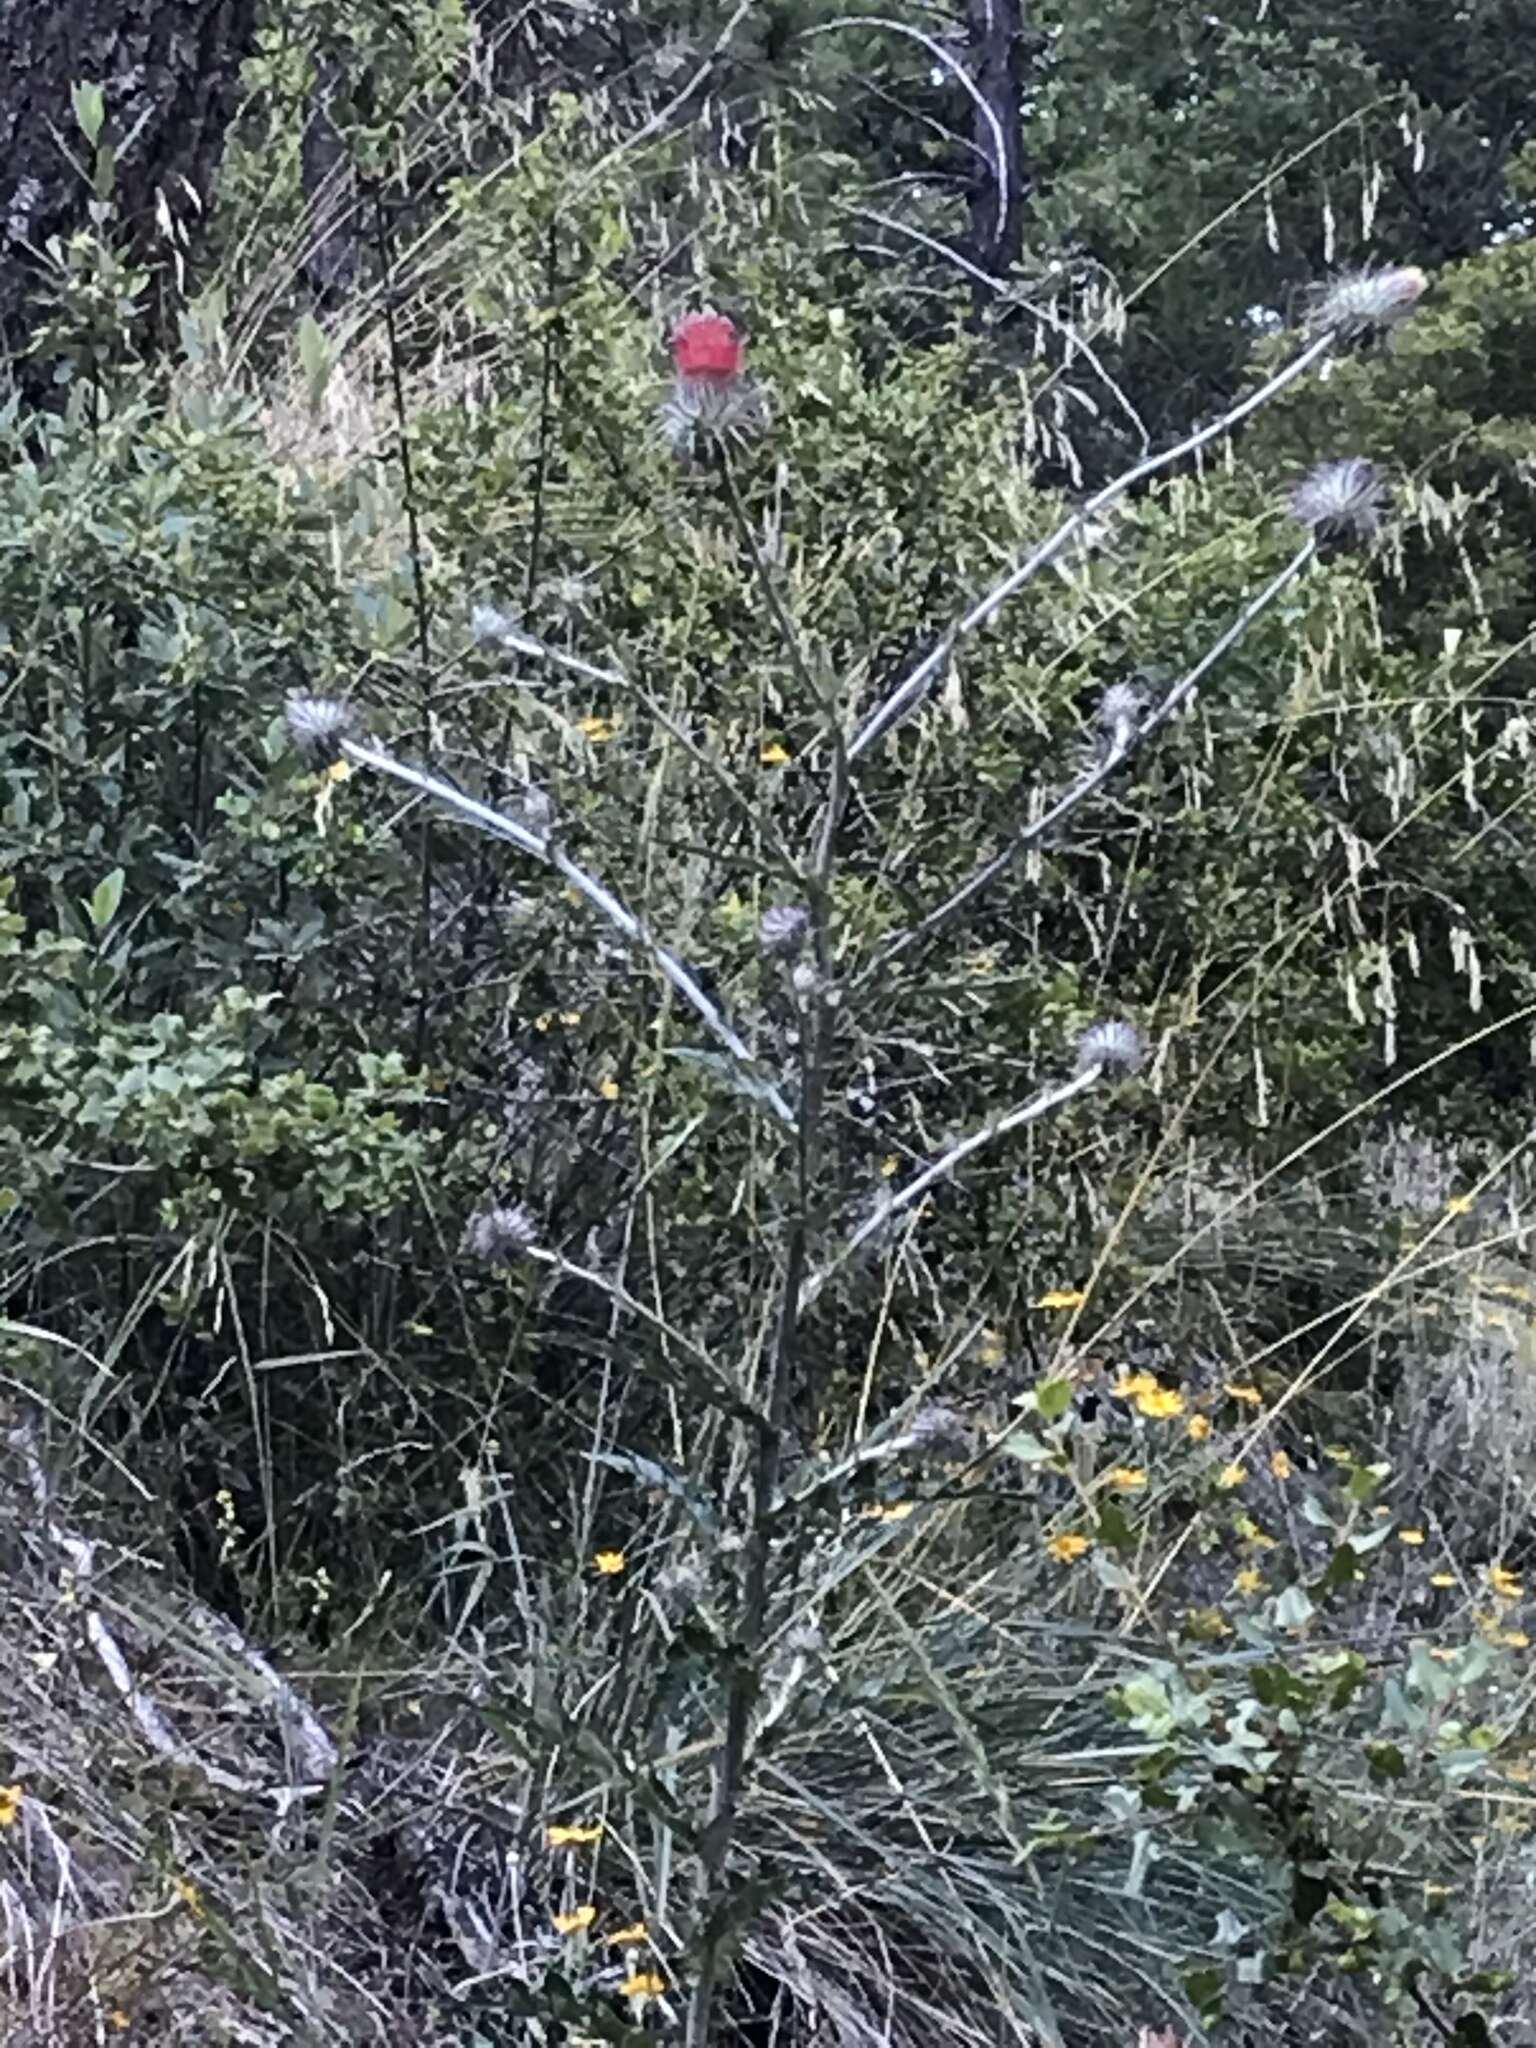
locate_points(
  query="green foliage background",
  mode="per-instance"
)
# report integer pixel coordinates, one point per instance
(272, 1037)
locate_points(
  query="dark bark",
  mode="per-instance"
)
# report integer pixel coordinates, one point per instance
(169, 71)
(995, 30)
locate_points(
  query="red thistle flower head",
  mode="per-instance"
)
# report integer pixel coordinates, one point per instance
(707, 349)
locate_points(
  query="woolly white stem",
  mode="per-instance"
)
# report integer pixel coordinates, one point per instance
(543, 848)
(941, 1168)
(1127, 737)
(916, 684)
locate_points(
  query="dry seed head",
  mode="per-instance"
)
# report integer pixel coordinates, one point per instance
(1366, 305)
(1114, 1046)
(1341, 502)
(499, 1235)
(318, 725)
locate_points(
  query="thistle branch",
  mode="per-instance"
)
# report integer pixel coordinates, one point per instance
(1000, 1126)
(316, 722)
(1124, 741)
(915, 685)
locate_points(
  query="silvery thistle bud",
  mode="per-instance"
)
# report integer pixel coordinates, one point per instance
(500, 1235)
(782, 931)
(318, 725)
(1341, 503)
(1113, 1046)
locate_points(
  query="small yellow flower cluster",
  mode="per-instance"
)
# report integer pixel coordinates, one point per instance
(642, 1984)
(1069, 1546)
(11, 1797)
(573, 1837)
(1150, 1396)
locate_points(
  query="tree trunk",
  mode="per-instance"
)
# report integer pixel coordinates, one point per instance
(169, 71)
(995, 31)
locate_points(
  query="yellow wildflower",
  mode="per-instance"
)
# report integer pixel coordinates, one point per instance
(1249, 1579)
(1198, 1428)
(636, 1931)
(1127, 1478)
(573, 1837)
(774, 754)
(1231, 1475)
(1280, 1464)
(889, 1165)
(573, 1922)
(643, 1984)
(1515, 1639)
(608, 1088)
(1412, 1537)
(570, 1016)
(1242, 1391)
(11, 1797)
(189, 1895)
(1068, 1546)
(1160, 1402)
(609, 1562)
(118, 2020)
(597, 729)
(1131, 1385)
(889, 1511)
(1459, 1205)
(1206, 1623)
(1062, 1297)
(1442, 1578)
(1504, 1582)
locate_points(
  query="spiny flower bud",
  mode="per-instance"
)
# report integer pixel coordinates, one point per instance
(782, 930)
(318, 725)
(939, 1431)
(724, 412)
(1342, 502)
(1362, 306)
(499, 1235)
(1113, 1046)
(1119, 714)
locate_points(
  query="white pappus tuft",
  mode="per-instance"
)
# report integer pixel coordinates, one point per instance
(318, 725)
(1114, 1047)
(1341, 502)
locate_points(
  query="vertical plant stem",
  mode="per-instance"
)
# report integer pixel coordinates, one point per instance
(787, 1371)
